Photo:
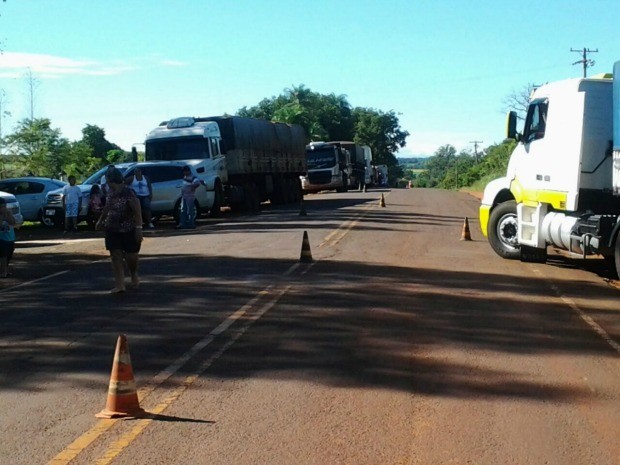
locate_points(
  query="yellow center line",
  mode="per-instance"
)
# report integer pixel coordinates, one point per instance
(82, 442)
(125, 440)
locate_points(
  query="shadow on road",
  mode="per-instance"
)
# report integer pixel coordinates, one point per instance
(344, 324)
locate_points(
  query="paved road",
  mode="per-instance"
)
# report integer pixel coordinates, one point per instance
(399, 344)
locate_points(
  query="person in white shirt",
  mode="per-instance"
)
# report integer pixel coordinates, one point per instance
(142, 187)
(72, 199)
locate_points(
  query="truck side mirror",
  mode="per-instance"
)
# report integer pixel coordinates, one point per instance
(511, 126)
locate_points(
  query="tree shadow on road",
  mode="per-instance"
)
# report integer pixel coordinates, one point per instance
(341, 323)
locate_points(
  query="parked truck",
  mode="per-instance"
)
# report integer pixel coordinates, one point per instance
(357, 180)
(329, 167)
(243, 161)
(562, 185)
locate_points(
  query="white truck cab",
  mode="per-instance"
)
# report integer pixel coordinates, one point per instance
(562, 185)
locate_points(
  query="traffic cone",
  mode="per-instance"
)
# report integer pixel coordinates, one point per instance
(306, 255)
(122, 395)
(302, 208)
(382, 202)
(465, 236)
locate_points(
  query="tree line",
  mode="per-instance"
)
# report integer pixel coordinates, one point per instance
(35, 147)
(448, 169)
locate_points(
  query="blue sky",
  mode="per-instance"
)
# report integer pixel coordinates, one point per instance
(444, 66)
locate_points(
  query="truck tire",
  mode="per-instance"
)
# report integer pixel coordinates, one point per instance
(502, 230)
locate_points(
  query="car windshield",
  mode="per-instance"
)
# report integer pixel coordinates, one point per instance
(96, 178)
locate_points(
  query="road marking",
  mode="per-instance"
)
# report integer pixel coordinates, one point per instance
(125, 440)
(82, 442)
(27, 283)
(330, 240)
(583, 315)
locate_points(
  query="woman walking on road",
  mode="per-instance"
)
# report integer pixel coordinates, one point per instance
(122, 220)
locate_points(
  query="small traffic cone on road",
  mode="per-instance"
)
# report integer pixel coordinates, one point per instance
(122, 399)
(465, 236)
(306, 255)
(302, 208)
(382, 201)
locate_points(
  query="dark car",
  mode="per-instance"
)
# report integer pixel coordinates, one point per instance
(30, 192)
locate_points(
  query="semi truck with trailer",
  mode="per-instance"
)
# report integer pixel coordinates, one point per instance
(562, 185)
(243, 161)
(357, 180)
(329, 167)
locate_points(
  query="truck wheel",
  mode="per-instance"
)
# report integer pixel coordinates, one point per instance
(503, 229)
(216, 209)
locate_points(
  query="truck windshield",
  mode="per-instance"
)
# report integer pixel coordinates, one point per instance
(179, 148)
(320, 159)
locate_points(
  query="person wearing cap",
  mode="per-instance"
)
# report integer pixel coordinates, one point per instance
(121, 219)
(7, 238)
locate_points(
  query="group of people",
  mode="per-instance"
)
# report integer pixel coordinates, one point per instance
(121, 208)
(72, 199)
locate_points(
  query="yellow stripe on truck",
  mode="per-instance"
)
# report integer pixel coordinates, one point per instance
(484, 213)
(534, 196)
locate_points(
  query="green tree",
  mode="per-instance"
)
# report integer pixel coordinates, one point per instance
(94, 137)
(39, 148)
(330, 117)
(117, 156)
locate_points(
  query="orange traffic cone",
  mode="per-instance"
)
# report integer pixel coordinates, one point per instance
(122, 395)
(302, 208)
(382, 201)
(306, 255)
(465, 236)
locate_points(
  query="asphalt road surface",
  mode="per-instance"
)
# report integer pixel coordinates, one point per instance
(399, 343)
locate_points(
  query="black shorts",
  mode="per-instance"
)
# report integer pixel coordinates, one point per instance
(145, 202)
(125, 241)
(6, 249)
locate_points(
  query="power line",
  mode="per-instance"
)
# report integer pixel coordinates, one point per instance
(587, 63)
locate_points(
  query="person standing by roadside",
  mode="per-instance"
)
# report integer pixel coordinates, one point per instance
(72, 198)
(121, 219)
(188, 197)
(142, 187)
(7, 238)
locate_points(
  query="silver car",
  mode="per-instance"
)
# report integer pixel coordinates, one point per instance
(166, 182)
(13, 206)
(30, 192)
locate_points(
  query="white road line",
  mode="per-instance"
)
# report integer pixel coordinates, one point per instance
(583, 315)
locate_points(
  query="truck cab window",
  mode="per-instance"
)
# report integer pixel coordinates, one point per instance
(215, 147)
(536, 120)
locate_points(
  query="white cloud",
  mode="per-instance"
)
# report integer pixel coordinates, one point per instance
(14, 64)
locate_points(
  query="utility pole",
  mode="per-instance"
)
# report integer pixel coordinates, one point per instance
(587, 63)
(476, 142)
